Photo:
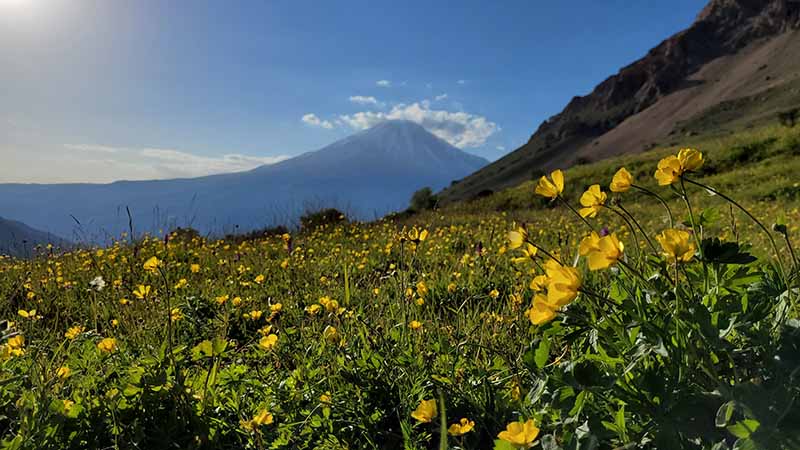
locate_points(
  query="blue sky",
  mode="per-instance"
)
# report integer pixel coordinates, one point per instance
(104, 90)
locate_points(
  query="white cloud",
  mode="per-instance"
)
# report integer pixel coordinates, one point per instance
(383, 83)
(178, 163)
(313, 120)
(92, 148)
(439, 98)
(460, 129)
(501, 148)
(462, 82)
(365, 100)
(75, 163)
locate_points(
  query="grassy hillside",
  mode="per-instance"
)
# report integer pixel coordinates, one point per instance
(432, 333)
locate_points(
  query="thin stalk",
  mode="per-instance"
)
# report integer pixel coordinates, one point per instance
(661, 200)
(638, 225)
(630, 227)
(566, 203)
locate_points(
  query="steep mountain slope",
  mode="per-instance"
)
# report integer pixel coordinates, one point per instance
(366, 175)
(18, 239)
(735, 49)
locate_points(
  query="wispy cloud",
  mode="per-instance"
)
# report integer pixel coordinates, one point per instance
(314, 121)
(365, 100)
(439, 98)
(383, 83)
(179, 163)
(92, 148)
(460, 129)
(462, 82)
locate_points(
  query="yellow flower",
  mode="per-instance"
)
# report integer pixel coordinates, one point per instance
(416, 235)
(528, 253)
(592, 200)
(325, 398)
(520, 435)
(668, 171)
(182, 283)
(422, 289)
(562, 284)
(268, 342)
(330, 334)
(142, 291)
(63, 372)
(415, 325)
(451, 287)
(253, 315)
(107, 345)
(690, 159)
(677, 244)
(263, 417)
(622, 181)
(542, 311)
(313, 309)
(260, 279)
(73, 332)
(426, 411)
(176, 314)
(464, 426)
(221, 299)
(517, 237)
(195, 268)
(152, 264)
(67, 404)
(538, 283)
(27, 314)
(551, 189)
(16, 345)
(494, 294)
(601, 252)
(672, 167)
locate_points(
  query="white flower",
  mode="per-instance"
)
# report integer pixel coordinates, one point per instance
(98, 283)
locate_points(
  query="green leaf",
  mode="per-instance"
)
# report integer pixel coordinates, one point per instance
(724, 414)
(542, 353)
(743, 429)
(500, 444)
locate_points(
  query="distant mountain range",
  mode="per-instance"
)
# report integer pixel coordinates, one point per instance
(18, 239)
(365, 175)
(738, 64)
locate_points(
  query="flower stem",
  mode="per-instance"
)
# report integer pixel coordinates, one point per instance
(591, 228)
(661, 200)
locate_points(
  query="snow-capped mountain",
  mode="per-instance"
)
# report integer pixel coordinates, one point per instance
(366, 175)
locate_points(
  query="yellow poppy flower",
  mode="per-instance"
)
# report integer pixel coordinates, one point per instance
(415, 325)
(426, 411)
(462, 427)
(601, 252)
(551, 189)
(622, 181)
(73, 332)
(107, 345)
(63, 372)
(677, 244)
(195, 268)
(592, 200)
(690, 159)
(668, 171)
(141, 292)
(517, 237)
(268, 342)
(538, 283)
(562, 284)
(152, 264)
(263, 417)
(542, 311)
(520, 435)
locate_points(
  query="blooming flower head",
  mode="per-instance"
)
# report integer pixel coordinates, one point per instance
(672, 167)
(539, 283)
(194, 268)
(592, 200)
(426, 411)
(517, 237)
(677, 244)
(268, 342)
(16, 345)
(551, 189)
(520, 435)
(152, 264)
(141, 292)
(542, 311)
(462, 427)
(63, 372)
(97, 283)
(415, 324)
(107, 345)
(175, 314)
(331, 334)
(622, 181)
(73, 332)
(563, 283)
(601, 252)
(263, 417)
